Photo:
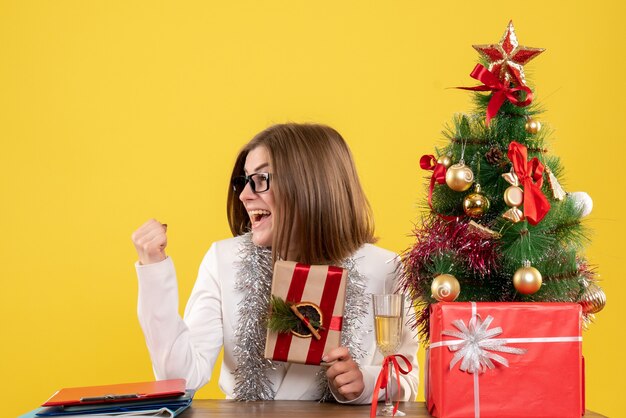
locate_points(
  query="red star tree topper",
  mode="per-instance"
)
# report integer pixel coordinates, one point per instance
(508, 57)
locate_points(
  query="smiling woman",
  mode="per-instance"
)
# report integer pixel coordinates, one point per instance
(295, 195)
(324, 215)
(256, 195)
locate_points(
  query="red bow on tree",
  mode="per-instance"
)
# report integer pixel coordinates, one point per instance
(530, 175)
(383, 379)
(500, 91)
(429, 162)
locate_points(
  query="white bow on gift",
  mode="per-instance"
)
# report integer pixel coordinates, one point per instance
(477, 345)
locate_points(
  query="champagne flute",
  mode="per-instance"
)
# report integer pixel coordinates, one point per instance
(388, 309)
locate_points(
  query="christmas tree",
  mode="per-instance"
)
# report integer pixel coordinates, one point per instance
(499, 226)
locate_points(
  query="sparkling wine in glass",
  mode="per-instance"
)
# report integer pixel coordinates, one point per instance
(388, 318)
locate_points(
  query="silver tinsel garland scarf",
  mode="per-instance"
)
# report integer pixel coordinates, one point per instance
(353, 329)
(254, 280)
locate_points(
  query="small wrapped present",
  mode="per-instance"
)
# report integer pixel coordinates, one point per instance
(505, 360)
(306, 312)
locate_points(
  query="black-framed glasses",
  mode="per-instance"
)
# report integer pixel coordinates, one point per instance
(259, 182)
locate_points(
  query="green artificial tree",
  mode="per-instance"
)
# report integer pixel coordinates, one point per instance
(499, 226)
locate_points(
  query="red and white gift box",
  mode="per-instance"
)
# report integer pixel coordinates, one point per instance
(324, 286)
(505, 360)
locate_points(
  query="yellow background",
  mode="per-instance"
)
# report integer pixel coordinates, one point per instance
(112, 112)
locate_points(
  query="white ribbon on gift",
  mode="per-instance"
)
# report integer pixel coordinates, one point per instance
(476, 349)
(476, 345)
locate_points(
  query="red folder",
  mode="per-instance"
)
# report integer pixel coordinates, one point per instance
(125, 392)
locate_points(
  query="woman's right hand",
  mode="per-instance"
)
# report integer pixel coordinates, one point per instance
(150, 241)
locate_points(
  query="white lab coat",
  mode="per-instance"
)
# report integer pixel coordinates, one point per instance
(188, 347)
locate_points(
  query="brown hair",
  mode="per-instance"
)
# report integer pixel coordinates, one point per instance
(316, 189)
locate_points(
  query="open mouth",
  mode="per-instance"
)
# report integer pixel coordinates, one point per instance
(258, 216)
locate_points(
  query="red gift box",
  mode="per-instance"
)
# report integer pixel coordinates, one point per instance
(505, 360)
(322, 286)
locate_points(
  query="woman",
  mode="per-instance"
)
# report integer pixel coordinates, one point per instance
(295, 196)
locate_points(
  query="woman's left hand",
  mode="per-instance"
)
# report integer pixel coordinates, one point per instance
(344, 375)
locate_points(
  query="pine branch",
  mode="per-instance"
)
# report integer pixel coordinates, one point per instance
(283, 319)
(568, 275)
(469, 141)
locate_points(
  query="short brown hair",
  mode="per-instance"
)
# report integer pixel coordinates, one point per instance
(316, 186)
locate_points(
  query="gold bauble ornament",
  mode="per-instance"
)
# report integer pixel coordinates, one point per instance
(445, 288)
(532, 126)
(527, 280)
(459, 177)
(445, 160)
(593, 299)
(475, 204)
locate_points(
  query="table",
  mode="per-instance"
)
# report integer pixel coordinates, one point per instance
(210, 408)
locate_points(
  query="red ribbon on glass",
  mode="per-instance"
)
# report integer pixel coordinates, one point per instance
(383, 379)
(500, 91)
(429, 162)
(530, 175)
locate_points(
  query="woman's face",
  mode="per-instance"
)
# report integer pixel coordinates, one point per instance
(260, 205)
